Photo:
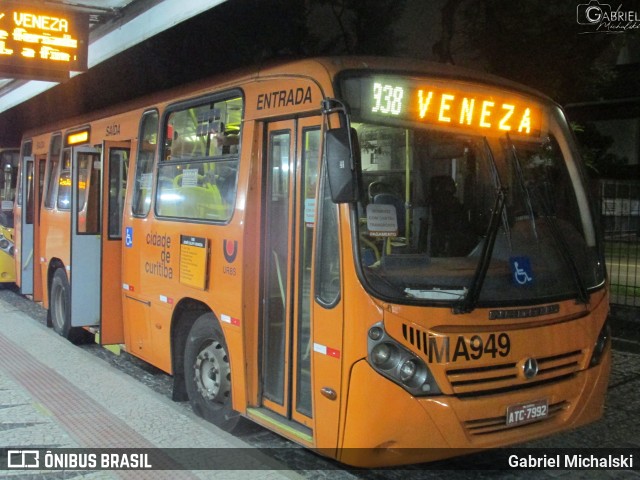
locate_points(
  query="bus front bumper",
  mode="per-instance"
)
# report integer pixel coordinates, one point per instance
(385, 425)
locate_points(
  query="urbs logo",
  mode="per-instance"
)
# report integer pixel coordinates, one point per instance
(230, 249)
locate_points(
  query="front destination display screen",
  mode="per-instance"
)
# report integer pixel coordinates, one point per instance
(449, 104)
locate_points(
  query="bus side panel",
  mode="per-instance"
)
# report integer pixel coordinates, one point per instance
(136, 299)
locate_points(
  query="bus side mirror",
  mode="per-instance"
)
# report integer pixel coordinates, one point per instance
(343, 162)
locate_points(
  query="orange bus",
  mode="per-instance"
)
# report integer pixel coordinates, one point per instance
(8, 168)
(386, 261)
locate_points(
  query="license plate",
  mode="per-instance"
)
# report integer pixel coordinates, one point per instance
(527, 412)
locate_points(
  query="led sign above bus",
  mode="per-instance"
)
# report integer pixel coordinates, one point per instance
(77, 137)
(40, 40)
(438, 103)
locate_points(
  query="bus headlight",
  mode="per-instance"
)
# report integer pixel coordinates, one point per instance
(384, 356)
(398, 364)
(604, 338)
(6, 245)
(408, 370)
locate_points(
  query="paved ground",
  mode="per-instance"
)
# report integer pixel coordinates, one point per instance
(118, 401)
(53, 395)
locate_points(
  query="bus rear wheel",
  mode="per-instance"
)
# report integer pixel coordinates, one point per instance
(60, 311)
(207, 374)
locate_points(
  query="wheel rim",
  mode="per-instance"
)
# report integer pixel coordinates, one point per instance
(212, 372)
(59, 311)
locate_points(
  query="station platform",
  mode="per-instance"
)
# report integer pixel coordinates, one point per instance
(54, 395)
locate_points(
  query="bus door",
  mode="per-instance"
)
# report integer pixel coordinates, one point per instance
(115, 160)
(86, 169)
(287, 344)
(25, 274)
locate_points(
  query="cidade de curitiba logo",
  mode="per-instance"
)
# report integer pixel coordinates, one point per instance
(598, 17)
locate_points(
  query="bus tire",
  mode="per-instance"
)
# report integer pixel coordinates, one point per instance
(60, 309)
(207, 374)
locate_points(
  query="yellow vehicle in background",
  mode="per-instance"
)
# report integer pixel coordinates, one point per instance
(9, 163)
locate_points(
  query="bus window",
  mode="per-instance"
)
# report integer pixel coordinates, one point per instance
(8, 178)
(52, 172)
(30, 199)
(276, 252)
(144, 164)
(197, 176)
(8, 167)
(88, 193)
(310, 155)
(448, 194)
(118, 169)
(64, 182)
(328, 261)
(26, 152)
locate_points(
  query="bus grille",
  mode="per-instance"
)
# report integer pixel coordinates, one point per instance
(505, 377)
(502, 377)
(487, 426)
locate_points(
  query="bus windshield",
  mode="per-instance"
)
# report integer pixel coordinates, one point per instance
(446, 212)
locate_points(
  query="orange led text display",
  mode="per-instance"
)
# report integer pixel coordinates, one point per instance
(54, 39)
(438, 105)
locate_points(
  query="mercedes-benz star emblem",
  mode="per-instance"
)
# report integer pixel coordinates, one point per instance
(530, 368)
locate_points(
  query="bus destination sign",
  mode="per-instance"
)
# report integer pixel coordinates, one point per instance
(447, 104)
(35, 41)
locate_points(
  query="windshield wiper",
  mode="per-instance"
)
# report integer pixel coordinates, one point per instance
(470, 300)
(561, 243)
(563, 247)
(523, 184)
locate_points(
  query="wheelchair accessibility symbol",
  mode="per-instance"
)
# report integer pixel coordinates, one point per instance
(521, 272)
(128, 237)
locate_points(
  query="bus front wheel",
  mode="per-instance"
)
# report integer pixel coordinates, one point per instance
(207, 374)
(60, 311)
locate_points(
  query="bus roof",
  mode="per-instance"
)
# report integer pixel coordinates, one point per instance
(327, 67)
